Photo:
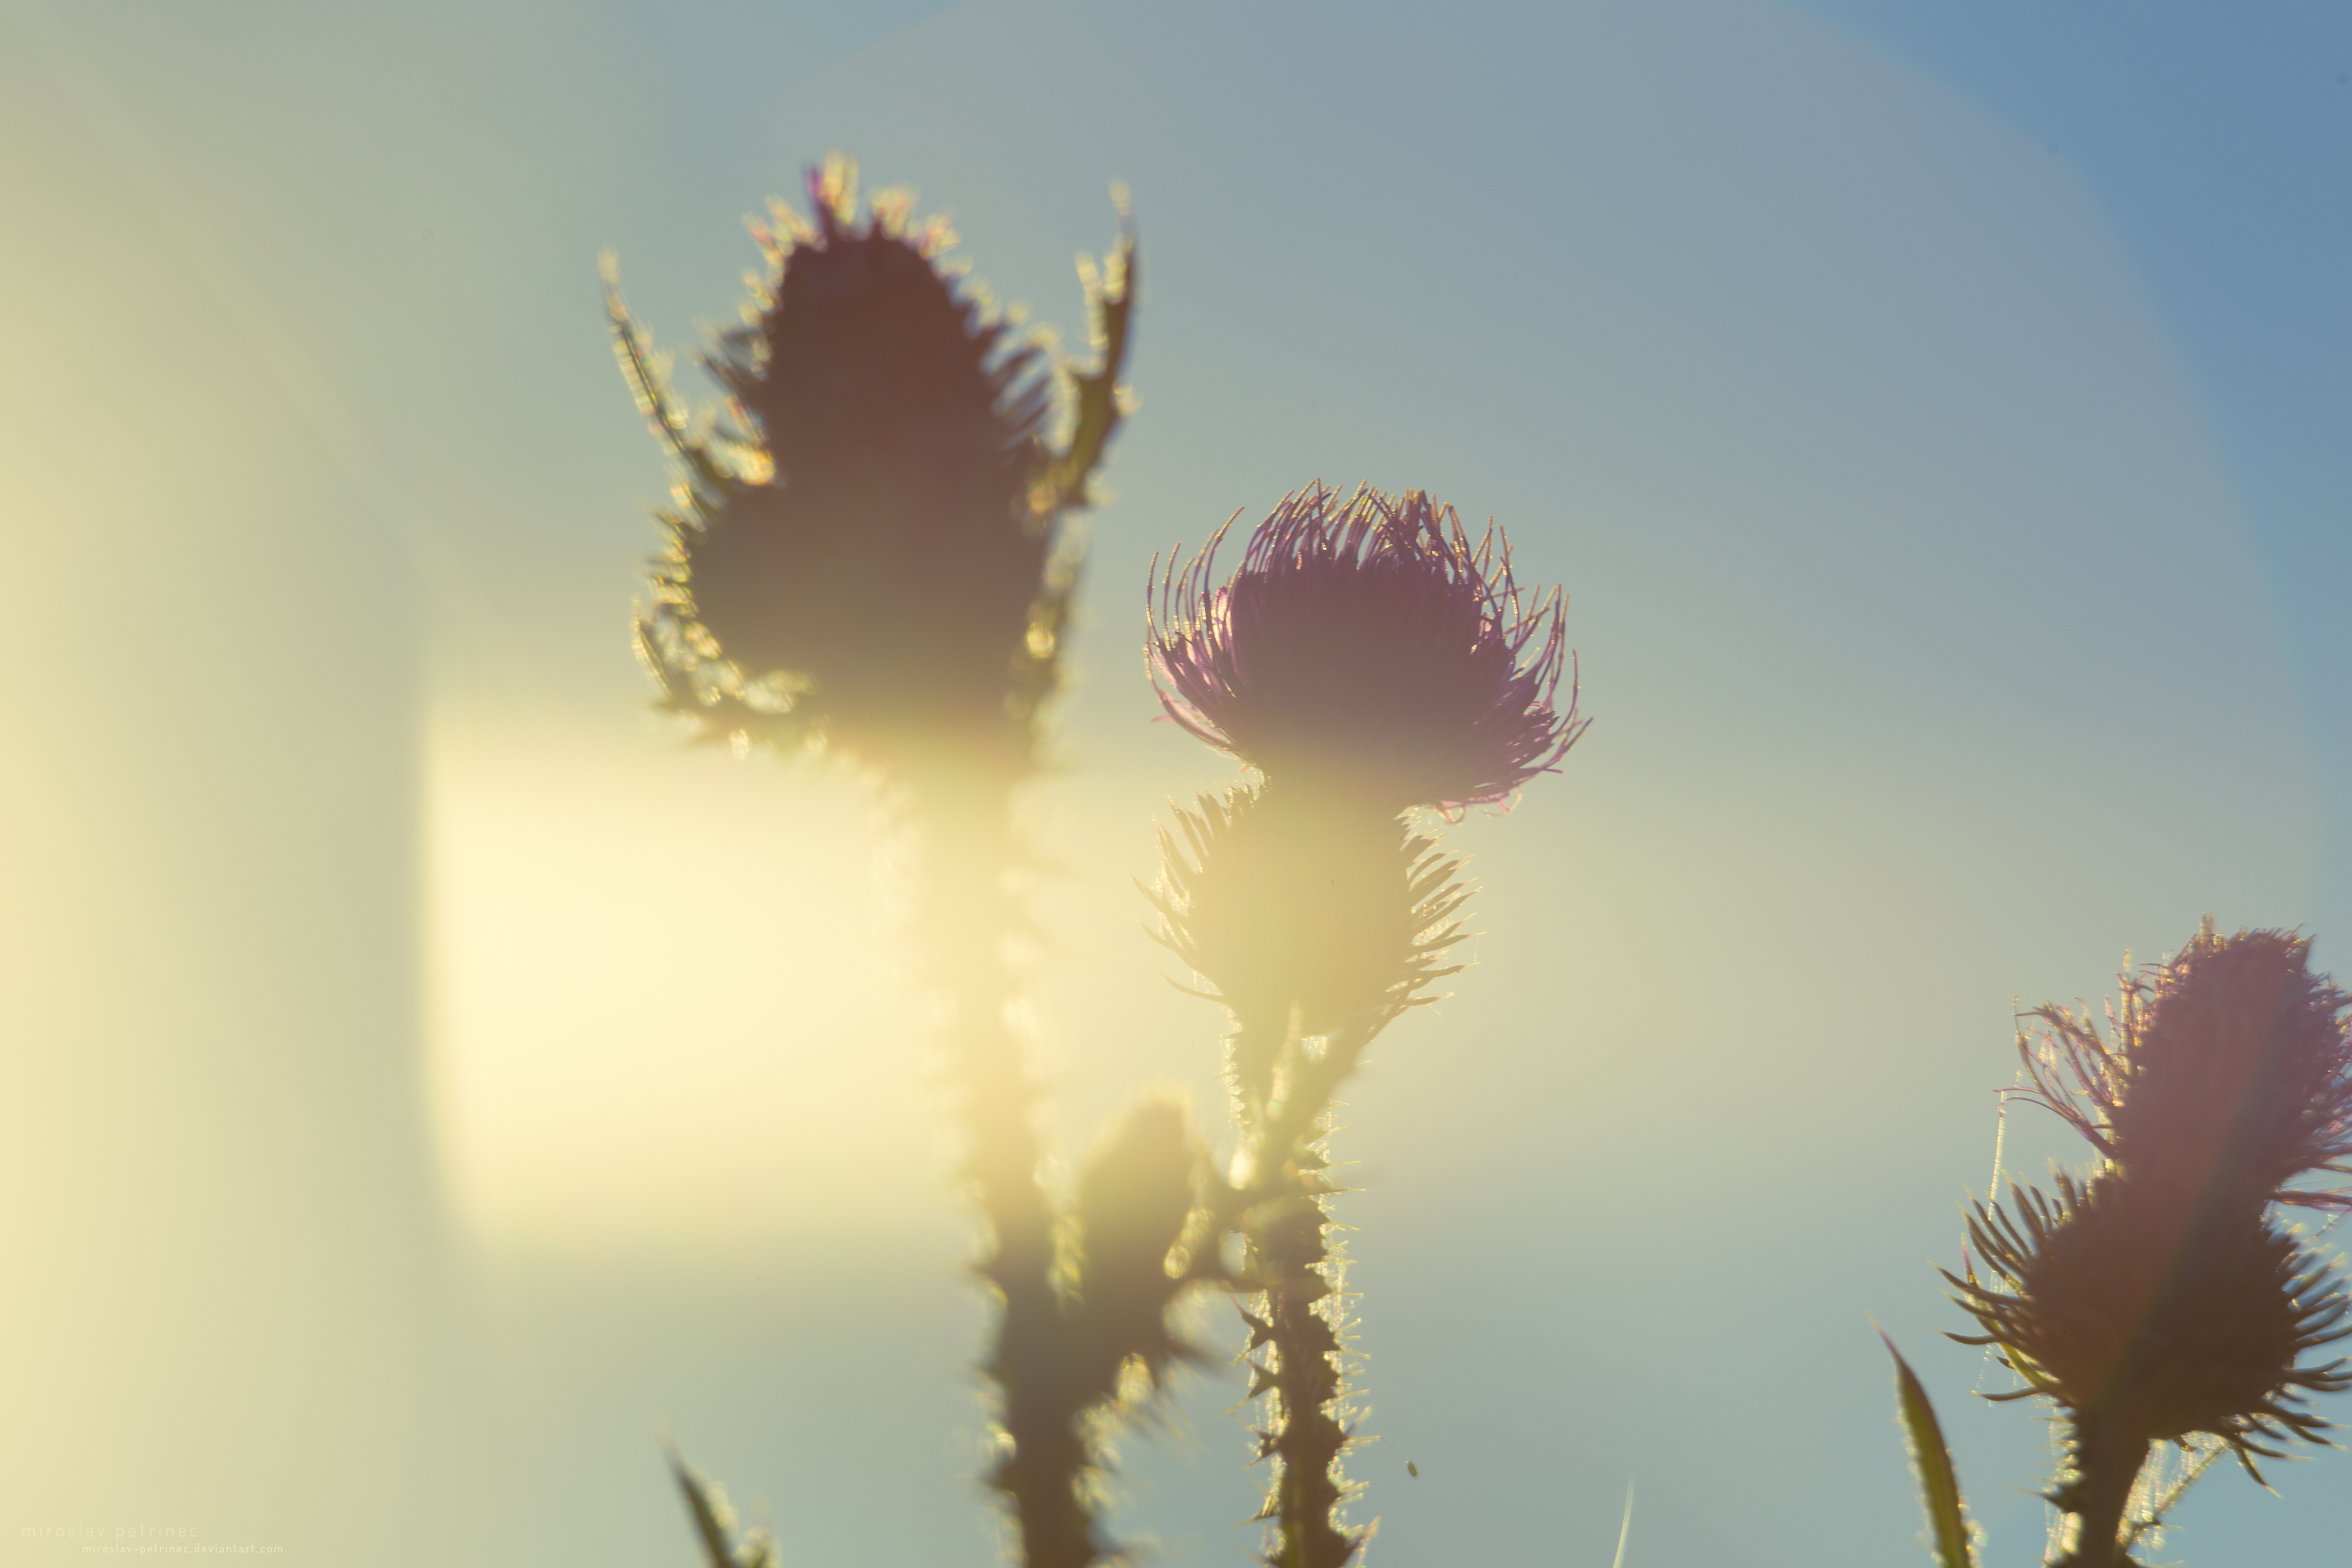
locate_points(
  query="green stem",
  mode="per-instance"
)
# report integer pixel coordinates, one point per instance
(2106, 1465)
(966, 919)
(1290, 1252)
(1287, 1258)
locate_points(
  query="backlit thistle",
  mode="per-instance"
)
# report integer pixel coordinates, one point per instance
(2159, 1301)
(1369, 644)
(1367, 658)
(2230, 1074)
(870, 553)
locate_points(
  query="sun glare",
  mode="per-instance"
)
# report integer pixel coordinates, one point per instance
(660, 1017)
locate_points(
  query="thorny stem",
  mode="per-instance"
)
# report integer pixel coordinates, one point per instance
(968, 914)
(2106, 1464)
(1285, 1227)
(1302, 1093)
(1289, 1254)
(1286, 1123)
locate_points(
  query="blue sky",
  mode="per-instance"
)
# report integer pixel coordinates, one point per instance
(2217, 142)
(1934, 412)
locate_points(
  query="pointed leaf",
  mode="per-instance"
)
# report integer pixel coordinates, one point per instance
(1940, 1485)
(708, 1510)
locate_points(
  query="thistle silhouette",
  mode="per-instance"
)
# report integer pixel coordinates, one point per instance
(1367, 660)
(2160, 1300)
(871, 555)
(872, 552)
(2229, 1076)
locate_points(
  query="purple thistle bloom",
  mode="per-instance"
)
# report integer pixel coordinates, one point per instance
(2229, 1076)
(1367, 644)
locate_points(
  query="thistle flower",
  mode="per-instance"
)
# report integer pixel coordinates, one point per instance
(1367, 644)
(2159, 1301)
(869, 555)
(1366, 659)
(2229, 1078)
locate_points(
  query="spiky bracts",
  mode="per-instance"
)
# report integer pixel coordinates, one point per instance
(1304, 914)
(2163, 1323)
(2159, 1301)
(1369, 646)
(870, 553)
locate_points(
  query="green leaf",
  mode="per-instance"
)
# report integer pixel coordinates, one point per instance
(1939, 1486)
(712, 1517)
(1110, 300)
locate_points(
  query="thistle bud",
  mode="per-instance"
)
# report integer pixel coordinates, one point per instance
(1134, 1199)
(869, 556)
(1371, 643)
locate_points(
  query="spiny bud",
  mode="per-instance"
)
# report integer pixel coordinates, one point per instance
(1368, 642)
(1134, 1199)
(869, 556)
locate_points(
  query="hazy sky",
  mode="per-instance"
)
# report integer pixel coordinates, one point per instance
(425, 1081)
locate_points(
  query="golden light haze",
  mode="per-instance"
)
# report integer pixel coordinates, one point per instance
(423, 1079)
(661, 1010)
